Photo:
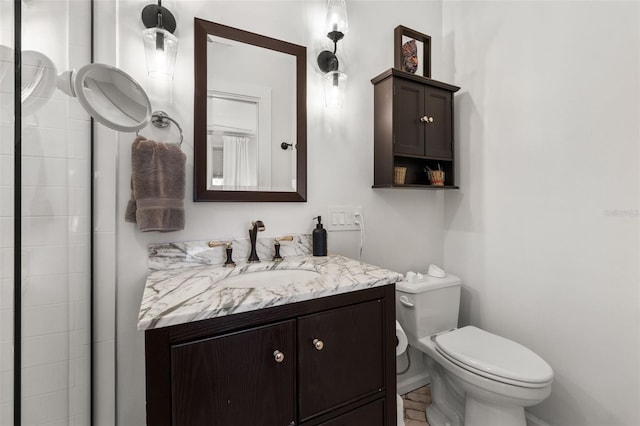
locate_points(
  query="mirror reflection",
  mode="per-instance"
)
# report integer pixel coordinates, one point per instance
(250, 124)
(251, 111)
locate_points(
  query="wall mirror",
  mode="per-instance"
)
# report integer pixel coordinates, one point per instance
(250, 116)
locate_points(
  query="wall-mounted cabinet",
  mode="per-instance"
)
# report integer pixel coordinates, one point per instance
(413, 129)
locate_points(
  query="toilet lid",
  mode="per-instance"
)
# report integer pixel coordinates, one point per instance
(493, 356)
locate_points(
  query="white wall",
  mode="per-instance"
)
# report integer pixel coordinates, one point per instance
(544, 231)
(404, 227)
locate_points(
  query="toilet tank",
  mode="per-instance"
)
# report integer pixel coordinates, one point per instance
(428, 307)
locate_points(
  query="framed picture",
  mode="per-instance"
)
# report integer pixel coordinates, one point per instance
(412, 51)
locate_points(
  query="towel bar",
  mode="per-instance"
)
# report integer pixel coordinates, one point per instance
(161, 119)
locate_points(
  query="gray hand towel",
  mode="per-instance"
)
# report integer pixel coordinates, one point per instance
(157, 186)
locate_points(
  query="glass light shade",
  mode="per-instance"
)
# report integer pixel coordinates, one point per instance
(161, 49)
(337, 17)
(335, 87)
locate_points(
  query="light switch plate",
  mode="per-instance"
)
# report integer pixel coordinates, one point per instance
(343, 218)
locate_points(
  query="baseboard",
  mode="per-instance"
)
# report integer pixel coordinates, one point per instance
(534, 421)
(412, 383)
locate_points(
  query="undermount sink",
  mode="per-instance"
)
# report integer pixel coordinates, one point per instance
(269, 278)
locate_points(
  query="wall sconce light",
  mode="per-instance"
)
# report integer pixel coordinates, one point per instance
(160, 45)
(337, 26)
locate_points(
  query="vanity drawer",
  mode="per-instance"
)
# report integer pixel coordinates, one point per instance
(340, 357)
(233, 378)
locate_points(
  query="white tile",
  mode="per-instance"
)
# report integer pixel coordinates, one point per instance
(79, 28)
(6, 324)
(79, 138)
(80, 351)
(6, 386)
(79, 287)
(6, 169)
(45, 260)
(6, 296)
(79, 258)
(78, 227)
(6, 355)
(78, 342)
(6, 199)
(47, 171)
(6, 263)
(45, 408)
(45, 349)
(7, 144)
(77, 112)
(79, 54)
(53, 115)
(79, 174)
(45, 142)
(64, 421)
(81, 315)
(46, 201)
(45, 289)
(6, 412)
(79, 395)
(79, 201)
(45, 378)
(38, 231)
(6, 231)
(40, 320)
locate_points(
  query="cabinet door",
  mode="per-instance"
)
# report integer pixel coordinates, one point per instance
(340, 357)
(235, 379)
(370, 415)
(439, 132)
(408, 107)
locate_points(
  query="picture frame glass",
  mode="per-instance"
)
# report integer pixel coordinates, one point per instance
(412, 55)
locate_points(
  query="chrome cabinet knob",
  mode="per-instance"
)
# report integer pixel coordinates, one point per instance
(278, 356)
(318, 344)
(426, 119)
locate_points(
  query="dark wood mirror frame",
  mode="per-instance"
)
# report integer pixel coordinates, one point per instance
(201, 193)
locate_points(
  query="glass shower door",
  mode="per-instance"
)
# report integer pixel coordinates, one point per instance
(52, 244)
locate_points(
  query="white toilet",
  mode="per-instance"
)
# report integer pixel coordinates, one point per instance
(477, 378)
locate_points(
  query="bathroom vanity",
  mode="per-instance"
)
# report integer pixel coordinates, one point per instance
(314, 345)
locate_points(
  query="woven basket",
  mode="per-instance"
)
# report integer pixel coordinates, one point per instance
(399, 174)
(436, 177)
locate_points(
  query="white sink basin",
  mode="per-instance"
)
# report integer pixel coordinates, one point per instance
(269, 278)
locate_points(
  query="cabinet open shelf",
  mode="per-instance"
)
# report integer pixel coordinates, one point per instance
(415, 186)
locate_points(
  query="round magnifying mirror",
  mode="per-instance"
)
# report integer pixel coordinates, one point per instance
(38, 80)
(111, 96)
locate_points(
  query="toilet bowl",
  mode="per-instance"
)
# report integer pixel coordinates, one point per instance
(477, 378)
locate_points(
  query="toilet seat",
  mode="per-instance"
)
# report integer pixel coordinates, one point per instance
(494, 357)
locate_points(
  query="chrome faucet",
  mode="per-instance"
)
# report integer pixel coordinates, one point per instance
(256, 226)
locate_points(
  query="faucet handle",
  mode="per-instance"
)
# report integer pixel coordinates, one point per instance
(227, 244)
(214, 244)
(285, 238)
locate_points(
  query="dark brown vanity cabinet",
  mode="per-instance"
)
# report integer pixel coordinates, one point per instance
(413, 129)
(329, 361)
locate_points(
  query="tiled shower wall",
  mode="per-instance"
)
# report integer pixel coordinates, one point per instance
(55, 226)
(6, 213)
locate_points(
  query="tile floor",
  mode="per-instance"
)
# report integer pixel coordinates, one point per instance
(415, 404)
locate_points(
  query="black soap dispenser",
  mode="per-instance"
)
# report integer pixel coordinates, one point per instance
(319, 239)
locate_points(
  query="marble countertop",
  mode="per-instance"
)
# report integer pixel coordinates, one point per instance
(184, 283)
